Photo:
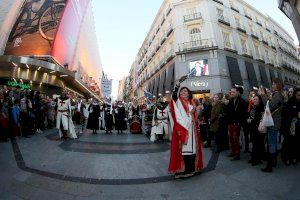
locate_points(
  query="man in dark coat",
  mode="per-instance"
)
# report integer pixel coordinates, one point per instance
(108, 118)
(120, 117)
(237, 114)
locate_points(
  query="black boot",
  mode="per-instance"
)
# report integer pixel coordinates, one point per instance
(269, 166)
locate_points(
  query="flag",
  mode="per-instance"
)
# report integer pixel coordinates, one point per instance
(148, 95)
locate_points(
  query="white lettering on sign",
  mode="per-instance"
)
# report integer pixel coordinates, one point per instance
(199, 84)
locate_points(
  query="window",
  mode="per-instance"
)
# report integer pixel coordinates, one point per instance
(191, 11)
(237, 21)
(195, 34)
(256, 51)
(267, 55)
(244, 46)
(226, 38)
(220, 14)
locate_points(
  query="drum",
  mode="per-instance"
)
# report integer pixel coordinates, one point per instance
(135, 125)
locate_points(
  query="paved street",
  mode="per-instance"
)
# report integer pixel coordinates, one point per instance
(128, 167)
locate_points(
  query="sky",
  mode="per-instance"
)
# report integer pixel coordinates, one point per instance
(122, 25)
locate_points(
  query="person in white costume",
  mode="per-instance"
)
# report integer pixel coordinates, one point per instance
(64, 121)
(160, 122)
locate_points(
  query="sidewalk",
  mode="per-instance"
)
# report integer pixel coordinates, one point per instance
(128, 166)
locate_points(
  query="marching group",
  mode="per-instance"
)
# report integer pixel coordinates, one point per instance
(227, 119)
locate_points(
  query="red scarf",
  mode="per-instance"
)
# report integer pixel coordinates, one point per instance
(180, 137)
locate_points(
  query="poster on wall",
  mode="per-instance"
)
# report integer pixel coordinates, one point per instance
(34, 30)
(198, 68)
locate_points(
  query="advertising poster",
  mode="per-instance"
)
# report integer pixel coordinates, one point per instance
(35, 28)
(198, 68)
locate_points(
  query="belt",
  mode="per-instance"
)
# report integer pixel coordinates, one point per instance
(63, 111)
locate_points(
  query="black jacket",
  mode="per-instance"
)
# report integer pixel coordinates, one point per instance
(237, 112)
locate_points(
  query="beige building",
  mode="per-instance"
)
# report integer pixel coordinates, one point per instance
(218, 43)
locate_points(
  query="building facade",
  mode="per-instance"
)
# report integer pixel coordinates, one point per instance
(218, 44)
(291, 8)
(32, 46)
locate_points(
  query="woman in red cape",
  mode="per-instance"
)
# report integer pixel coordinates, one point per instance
(186, 149)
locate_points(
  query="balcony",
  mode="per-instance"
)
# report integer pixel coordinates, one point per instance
(241, 28)
(218, 1)
(157, 48)
(248, 16)
(229, 47)
(198, 45)
(168, 11)
(247, 53)
(254, 35)
(157, 30)
(169, 31)
(163, 39)
(162, 21)
(265, 41)
(167, 57)
(259, 23)
(234, 8)
(192, 17)
(223, 20)
(273, 47)
(268, 30)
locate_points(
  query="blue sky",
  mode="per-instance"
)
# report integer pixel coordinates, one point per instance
(122, 26)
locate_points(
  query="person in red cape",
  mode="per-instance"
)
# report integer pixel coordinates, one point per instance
(186, 149)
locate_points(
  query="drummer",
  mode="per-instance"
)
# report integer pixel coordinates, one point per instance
(134, 117)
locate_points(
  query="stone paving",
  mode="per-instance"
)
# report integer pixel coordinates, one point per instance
(126, 166)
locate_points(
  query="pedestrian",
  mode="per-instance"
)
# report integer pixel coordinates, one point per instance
(215, 123)
(186, 150)
(254, 118)
(93, 120)
(291, 130)
(120, 117)
(276, 102)
(237, 112)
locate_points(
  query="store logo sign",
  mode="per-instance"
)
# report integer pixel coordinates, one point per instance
(199, 84)
(23, 86)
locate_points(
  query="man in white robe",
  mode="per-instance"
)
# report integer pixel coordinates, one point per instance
(64, 121)
(160, 123)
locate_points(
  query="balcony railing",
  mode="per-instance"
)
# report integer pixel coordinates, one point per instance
(247, 53)
(234, 8)
(169, 10)
(163, 39)
(192, 17)
(169, 31)
(248, 16)
(254, 35)
(223, 20)
(241, 28)
(218, 1)
(228, 46)
(197, 45)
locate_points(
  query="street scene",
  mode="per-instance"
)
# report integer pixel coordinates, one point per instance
(162, 99)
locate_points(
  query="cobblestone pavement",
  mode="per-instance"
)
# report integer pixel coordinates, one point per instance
(126, 166)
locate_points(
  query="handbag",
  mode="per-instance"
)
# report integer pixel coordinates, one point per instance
(267, 119)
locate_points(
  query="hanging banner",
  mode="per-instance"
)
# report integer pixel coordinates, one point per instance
(106, 87)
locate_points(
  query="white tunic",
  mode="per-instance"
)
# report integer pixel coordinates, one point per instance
(190, 147)
(64, 117)
(185, 120)
(161, 125)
